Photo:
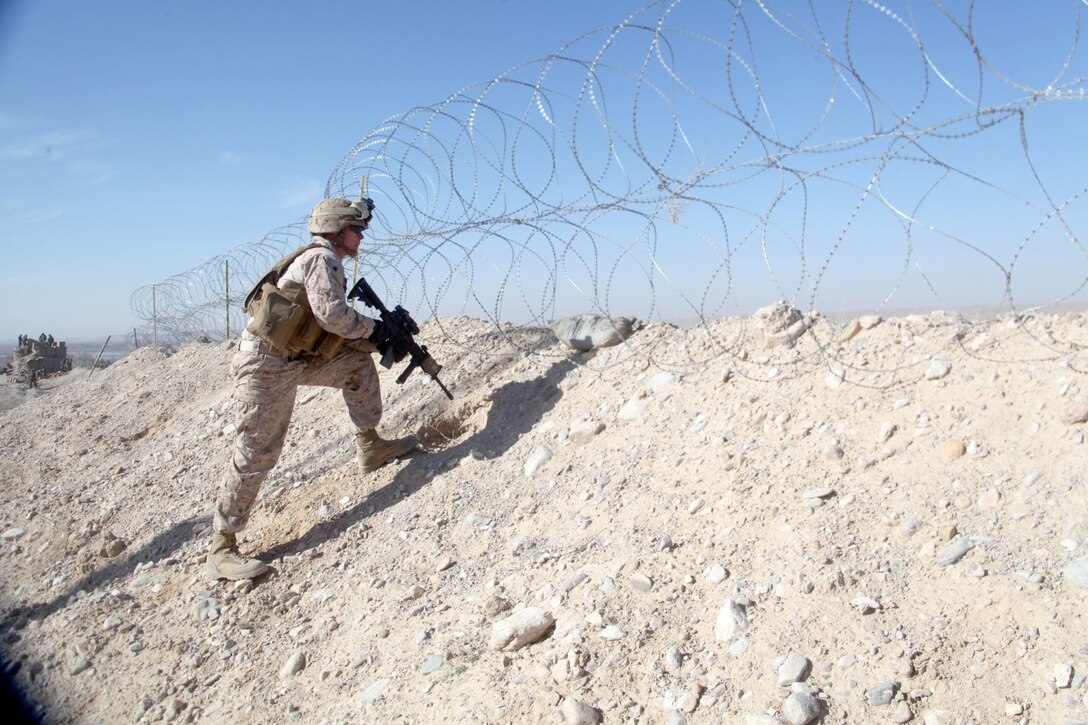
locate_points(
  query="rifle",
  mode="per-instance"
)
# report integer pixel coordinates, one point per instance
(401, 327)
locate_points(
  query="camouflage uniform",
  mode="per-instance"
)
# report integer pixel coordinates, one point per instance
(265, 383)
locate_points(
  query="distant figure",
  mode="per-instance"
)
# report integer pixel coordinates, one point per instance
(52, 342)
(41, 337)
(33, 378)
(266, 375)
(20, 340)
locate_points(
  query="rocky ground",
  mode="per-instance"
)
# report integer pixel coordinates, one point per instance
(770, 520)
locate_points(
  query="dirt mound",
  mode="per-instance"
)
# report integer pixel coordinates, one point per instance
(888, 527)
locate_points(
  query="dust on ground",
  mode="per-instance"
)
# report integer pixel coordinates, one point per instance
(722, 531)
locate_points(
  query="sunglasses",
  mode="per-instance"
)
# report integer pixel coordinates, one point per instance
(359, 228)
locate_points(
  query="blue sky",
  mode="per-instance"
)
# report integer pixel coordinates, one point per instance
(138, 140)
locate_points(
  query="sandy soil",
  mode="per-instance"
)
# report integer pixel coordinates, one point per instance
(723, 527)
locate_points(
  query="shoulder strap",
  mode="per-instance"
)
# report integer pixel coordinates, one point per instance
(272, 276)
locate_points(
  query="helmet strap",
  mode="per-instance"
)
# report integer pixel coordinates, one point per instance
(337, 241)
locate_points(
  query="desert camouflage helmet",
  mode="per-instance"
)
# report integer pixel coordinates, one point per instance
(332, 215)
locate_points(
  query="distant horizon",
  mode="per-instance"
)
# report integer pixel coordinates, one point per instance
(975, 313)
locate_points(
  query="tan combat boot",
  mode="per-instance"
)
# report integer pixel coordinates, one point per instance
(224, 561)
(375, 452)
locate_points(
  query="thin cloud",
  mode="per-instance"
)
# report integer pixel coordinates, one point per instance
(306, 191)
(30, 279)
(53, 145)
(17, 212)
(229, 158)
(93, 171)
(9, 121)
(34, 217)
(28, 150)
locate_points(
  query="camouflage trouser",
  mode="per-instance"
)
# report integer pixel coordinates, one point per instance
(264, 388)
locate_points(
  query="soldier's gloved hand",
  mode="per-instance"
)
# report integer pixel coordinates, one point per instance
(380, 333)
(391, 353)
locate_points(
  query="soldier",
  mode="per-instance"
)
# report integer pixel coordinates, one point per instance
(330, 346)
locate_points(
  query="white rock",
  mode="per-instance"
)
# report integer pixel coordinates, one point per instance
(954, 551)
(866, 605)
(938, 368)
(848, 333)
(633, 409)
(576, 712)
(716, 574)
(583, 431)
(432, 664)
(800, 708)
(990, 499)
(1063, 676)
(373, 692)
(318, 596)
(12, 534)
(1076, 573)
(793, 669)
(833, 453)
(1076, 412)
(673, 659)
(294, 664)
(661, 382)
(780, 323)
(731, 621)
(670, 702)
(520, 629)
(936, 717)
(540, 456)
(612, 633)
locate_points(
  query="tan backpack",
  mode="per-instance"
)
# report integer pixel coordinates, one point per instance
(282, 317)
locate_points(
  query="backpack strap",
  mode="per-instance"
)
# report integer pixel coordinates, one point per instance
(272, 276)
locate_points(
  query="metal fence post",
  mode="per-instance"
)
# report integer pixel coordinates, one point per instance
(154, 318)
(107, 342)
(226, 281)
